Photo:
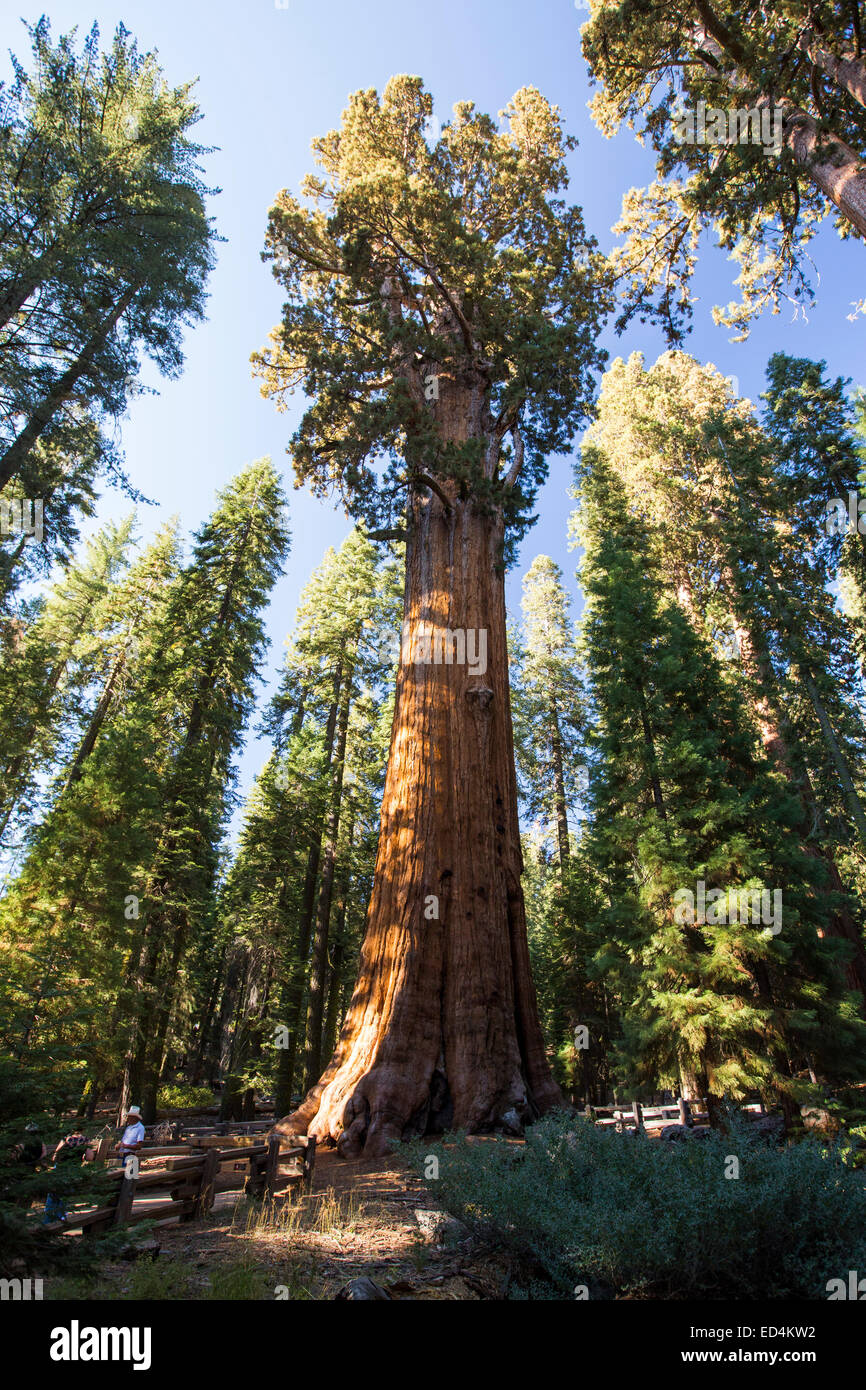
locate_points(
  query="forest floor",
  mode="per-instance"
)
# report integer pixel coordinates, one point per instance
(357, 1221)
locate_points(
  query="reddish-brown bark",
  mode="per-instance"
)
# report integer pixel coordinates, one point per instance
(442, 1030)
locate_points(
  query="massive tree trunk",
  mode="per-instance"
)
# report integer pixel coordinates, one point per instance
(442, 1030)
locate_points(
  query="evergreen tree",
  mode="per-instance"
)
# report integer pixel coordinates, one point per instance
(739, 508)
(305, 848)
(684, 803)
(202, 677)
(799, 70)
(47, 670)
(547, 702)
(105, 245)
(69, 917)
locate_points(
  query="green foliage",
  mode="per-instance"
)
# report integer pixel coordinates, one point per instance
(680, 793)
(160, 1279)
(547, 703)
(105, 245)
(639, 1218)
(181, 1095)
(240, 1281)
(165, 670)
(652, 61)
(36, 1092)
(455, 260)
(313, 810)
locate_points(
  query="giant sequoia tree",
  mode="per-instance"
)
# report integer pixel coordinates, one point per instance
(800, 68)
(441, 314)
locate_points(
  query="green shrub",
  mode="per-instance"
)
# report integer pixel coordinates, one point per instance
(581, 1205)
(29, 1247)
(181, 1096)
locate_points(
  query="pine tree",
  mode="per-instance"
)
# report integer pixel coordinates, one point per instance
(105, 245)
(46, 671)
(68, 918)
(740, 506)
(204, 673)
(305, 847)
(547, 702)
(683, 803)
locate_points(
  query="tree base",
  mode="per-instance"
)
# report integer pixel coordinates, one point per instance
(367, 1119)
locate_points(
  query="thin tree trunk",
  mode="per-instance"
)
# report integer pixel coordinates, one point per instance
(849, 791)
(97, 719)
(201, 1062)
(15, 773)
(559, 799)
(756, 664)
(292, 997)
(14, 299)
(443, 1026)
(44, 412)
(150, 1020)
(649, 742)
(319, 961)
(335, 985)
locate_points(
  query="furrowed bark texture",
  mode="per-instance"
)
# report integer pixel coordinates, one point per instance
(442, 1031)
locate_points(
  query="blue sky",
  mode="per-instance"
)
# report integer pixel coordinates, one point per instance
(270, 79)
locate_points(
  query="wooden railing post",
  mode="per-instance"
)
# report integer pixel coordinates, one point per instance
(205, 1198)
(309, 1162)
(273, 1165)
(685, 1111)
(125, 1197)
(638, 1115)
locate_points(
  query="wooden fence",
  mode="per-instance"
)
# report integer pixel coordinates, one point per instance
(191, 1175)
(634, 1115)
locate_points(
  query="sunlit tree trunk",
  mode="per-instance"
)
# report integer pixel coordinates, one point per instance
(442, 1030)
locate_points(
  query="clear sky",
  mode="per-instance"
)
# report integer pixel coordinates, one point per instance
(274, 75)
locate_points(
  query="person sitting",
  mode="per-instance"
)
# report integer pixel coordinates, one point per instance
(71, 1149)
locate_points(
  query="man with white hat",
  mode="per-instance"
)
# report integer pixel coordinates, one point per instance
(133, 1135)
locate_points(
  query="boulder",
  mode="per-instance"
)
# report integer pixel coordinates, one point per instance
(512, 1124)
(770, 1128)
(675, 1134)
(819, 1121)
(438, 1228)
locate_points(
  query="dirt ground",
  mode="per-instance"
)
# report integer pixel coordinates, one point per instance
(357, 1221)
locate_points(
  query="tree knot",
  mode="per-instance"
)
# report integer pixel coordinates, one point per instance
(480, 695)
